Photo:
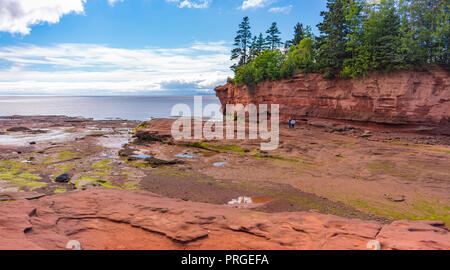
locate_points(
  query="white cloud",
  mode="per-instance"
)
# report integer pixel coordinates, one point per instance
(16, 16)
(77, 68)
(113, 2)
(191, 3)
(285, 9)
(251, 4)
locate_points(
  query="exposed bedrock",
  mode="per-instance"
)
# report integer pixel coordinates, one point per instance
(115, 219)
(399, 97)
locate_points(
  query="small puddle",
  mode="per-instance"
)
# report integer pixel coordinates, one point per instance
(141, 156)
(183, 155)
(219, 164)
(243, 200)
(109, 154)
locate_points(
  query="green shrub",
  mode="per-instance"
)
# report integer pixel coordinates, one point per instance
(274, 65)
(245, 75)
(265, 67)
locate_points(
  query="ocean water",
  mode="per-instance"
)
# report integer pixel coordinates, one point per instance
(98, 107)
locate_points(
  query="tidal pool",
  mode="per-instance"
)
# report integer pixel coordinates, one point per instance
(219, 164)
(184, 155)
(141, 156)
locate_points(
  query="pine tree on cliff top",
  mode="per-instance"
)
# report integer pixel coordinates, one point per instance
(258, 46)
(357, 60)
(441, 34)
(252, 51)
(241, 43)
(299, 34)
(332, 42)
(273, 38)
(425, 32)
(428, 18)
(382, 32)
(433, 27)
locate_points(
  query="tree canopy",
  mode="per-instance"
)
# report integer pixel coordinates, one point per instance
(356, 37)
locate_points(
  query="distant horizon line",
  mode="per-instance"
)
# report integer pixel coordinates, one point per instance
(143, 95)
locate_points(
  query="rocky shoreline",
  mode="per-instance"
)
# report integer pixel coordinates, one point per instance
(131, 186)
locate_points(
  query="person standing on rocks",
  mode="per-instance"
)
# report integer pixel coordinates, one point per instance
(292, 123)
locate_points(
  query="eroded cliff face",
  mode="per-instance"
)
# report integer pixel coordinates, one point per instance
(398, 97)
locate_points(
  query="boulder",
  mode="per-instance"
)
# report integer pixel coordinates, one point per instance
(146, 135)
(158, 162)
(63, 178)
(17, 129)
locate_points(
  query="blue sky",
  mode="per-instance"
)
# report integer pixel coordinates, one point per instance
(71, 47)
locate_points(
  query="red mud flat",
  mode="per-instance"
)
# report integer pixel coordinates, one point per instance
(114, 219)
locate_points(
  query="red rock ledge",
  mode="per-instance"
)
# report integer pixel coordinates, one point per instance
(114, 219)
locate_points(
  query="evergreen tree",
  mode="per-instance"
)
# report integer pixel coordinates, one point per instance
(356, 36)
(441, 34)
(308, 33)
(382, 34)
(435, 33)
(253, 51)
(241, 44)
(425, 31)
(273, 36)
(357, 60)
(409, 48)
(258, 46)
(299, 34)
(332, 42)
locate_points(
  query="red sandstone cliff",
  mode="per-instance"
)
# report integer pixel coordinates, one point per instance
(398, 97)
